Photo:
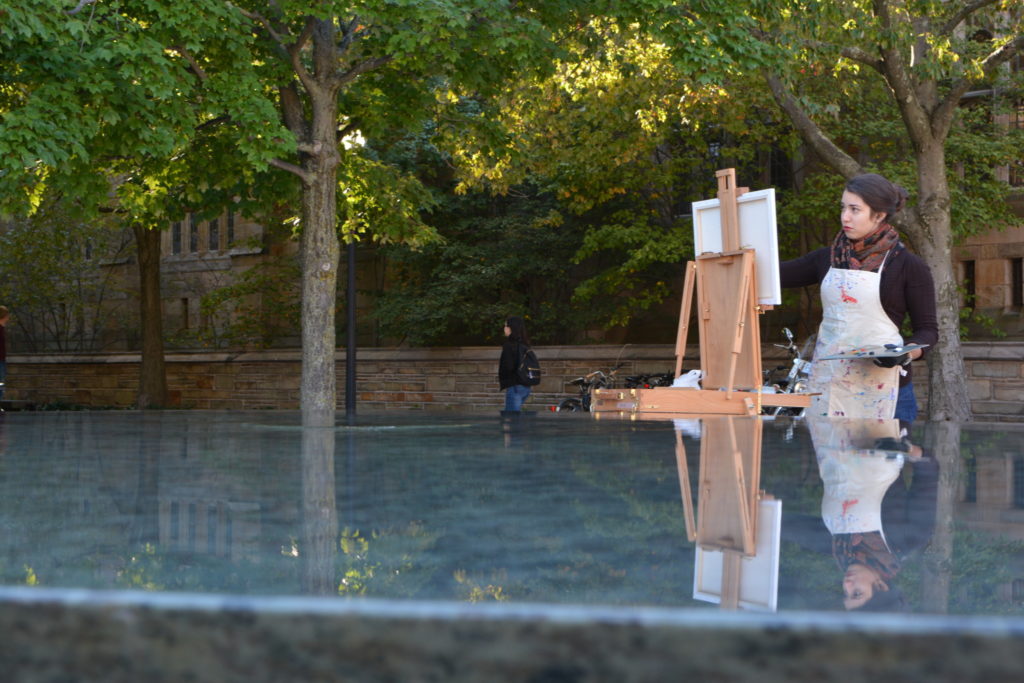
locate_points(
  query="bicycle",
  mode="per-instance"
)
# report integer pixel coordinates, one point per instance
(586, 385)
(795, 380)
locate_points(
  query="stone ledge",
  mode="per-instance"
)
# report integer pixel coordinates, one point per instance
(115, 636)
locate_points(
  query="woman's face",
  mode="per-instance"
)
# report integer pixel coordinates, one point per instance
(508, 330)
(859, 585)
(858, 219)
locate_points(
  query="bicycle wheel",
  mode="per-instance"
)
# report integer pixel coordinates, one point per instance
(570, 405)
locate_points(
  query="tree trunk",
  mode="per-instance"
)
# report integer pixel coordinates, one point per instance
(933, 239)
(320, 250)
(152, 372)
(942, 441)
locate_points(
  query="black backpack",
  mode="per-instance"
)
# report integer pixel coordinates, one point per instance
(528, 370)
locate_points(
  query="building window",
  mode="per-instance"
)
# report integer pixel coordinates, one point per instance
(184, 314)
(1018, 482)
(971, 487)
(231, 228)
(213, 231)
(968, 283)
(1017, 282)
(193, 234)
(176, 237)
(1017, 591)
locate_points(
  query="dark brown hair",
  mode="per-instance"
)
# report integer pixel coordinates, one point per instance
(517, 329)
(880, 194)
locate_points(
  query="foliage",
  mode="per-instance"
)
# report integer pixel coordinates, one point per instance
(499, 257)
(256, 310)
(625, 139)
(81, 309)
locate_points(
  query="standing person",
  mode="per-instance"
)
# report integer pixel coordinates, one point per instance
(512, 350)
(5, 315)
(869, 284)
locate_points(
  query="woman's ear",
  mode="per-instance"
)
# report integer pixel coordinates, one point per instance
(881, 585)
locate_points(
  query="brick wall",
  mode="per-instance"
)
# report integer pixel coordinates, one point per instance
(462, 378)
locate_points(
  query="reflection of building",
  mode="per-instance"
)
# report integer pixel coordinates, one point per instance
(210, 527)
(992, 495)
(992, 502)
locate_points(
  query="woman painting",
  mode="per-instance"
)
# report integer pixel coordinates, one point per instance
(869, 284)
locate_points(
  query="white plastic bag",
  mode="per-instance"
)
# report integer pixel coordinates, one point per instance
(688, 380)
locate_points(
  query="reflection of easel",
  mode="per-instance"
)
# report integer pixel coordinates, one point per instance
(727, 521)
(729, 330)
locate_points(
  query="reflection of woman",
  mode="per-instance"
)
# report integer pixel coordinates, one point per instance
(516, 343)
(851, 507)
(859, 461)
(869, 284)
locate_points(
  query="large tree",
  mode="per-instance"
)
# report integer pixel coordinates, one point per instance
(928, 55)
(98, 98)
(298, 84)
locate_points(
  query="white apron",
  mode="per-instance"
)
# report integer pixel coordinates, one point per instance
(853, 317)
(855, 474)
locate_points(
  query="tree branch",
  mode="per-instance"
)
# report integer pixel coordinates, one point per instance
(198, 70)
(896, 74)
(279, 38)
(302, 173)
(943, 115)
(809, 130)
(82, 4)
(295, 59)
(348, 34)
(361, 68)
(292, 110)
(964, 12)
(863, 57)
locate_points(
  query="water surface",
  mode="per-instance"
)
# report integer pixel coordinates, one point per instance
(550, 508)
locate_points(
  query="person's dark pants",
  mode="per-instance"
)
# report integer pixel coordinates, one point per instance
(515, 395)
(906, 403)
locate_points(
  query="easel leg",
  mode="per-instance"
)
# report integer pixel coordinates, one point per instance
(684, 316)
(684, 488)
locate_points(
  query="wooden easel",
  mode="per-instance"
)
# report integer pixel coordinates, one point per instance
(729, 330)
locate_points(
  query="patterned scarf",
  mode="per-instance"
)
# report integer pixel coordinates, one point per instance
(868, 549)
(867, 253)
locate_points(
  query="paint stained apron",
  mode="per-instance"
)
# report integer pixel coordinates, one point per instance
(856, 474)
(853, 317)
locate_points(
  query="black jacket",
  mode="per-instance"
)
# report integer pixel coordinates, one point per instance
(511, 352)
(906, 288)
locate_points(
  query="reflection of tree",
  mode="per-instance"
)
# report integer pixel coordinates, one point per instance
(319, 511)
(942, 441)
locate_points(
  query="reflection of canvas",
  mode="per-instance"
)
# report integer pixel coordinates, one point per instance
(758, 231)
(759, 575)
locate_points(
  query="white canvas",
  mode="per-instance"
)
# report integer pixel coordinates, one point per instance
(758, 231)
(759, 575)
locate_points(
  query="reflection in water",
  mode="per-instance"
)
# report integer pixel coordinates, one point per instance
(942, 439)
(737, 525)
(551, 508)
(874, 524)
(319, 511)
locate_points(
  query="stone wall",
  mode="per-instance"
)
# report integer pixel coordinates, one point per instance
(462, 378)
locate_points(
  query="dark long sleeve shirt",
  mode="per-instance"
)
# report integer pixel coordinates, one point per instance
(906, 288)
(508, 363)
